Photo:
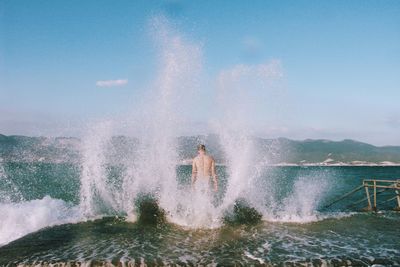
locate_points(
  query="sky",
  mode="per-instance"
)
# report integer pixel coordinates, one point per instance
(63, 63)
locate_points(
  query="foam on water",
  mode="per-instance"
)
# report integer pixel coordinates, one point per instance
(301, 204)
(19, 219)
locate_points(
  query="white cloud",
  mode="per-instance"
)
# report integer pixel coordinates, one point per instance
(111, 83)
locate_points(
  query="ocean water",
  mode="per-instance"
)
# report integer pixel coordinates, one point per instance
(126, 206)
(42, 221)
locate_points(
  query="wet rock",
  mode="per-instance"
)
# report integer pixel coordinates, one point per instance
(384, 262)
(316, 262)
(356, 262)
(336, 262)
(367, 260)
(149, 212)
(324, 263)
(242, 213)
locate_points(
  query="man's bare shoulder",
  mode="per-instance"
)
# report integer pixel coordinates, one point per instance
(210, 158)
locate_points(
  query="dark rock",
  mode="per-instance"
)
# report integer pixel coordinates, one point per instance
(384, 262)
(316, 262)
(242, 213)
(149, 212)
(356, 262)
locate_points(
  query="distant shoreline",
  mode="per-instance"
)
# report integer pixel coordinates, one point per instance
(278, 152)
(284, 164)
(317, 164)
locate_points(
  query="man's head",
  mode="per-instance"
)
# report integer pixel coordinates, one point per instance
(201, 148)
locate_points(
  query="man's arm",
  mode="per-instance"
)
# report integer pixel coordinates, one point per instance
(214, 175)
(194, 172)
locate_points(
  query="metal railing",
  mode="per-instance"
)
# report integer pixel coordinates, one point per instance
(378, 187)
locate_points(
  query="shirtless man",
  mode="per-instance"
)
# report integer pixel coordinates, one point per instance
(203, 168)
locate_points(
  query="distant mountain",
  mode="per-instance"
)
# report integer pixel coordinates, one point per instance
(331, 152)
(324, 152)
(17, 148)
(280, 151)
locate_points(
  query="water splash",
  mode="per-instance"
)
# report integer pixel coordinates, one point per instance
(302, 202)
(95, 193)
(241, 92)
(20, 216)
(153, 170)
(19, 219)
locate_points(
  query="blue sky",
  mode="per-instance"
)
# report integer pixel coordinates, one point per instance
(340, 61)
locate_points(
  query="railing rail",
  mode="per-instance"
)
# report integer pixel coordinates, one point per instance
(383, 185)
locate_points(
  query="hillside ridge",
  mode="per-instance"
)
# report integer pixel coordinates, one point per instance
(277, 151)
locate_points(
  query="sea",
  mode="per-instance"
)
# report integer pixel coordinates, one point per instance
(45, 219)
(111, 205)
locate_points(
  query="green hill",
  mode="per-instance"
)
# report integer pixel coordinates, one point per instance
(277, 151)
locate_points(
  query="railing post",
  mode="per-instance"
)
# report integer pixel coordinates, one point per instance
(368, 198)
(375, 195)
(382, 185)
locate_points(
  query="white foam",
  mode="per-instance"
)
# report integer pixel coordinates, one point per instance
(303, 219)
(19, 219)
(301, 204)
(196, 210)
(249, 255)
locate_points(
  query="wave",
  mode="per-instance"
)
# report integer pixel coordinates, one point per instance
(19, 219)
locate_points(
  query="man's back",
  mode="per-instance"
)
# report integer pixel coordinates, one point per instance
(204, 165)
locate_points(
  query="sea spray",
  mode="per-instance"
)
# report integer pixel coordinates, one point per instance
(96, 196)
(307, 191)
(20, 216)
(301, 199)
(19, 219)
(241, 93)
(154, 171)
(238, 104)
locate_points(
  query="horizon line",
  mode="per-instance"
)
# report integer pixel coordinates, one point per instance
(198, 135)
